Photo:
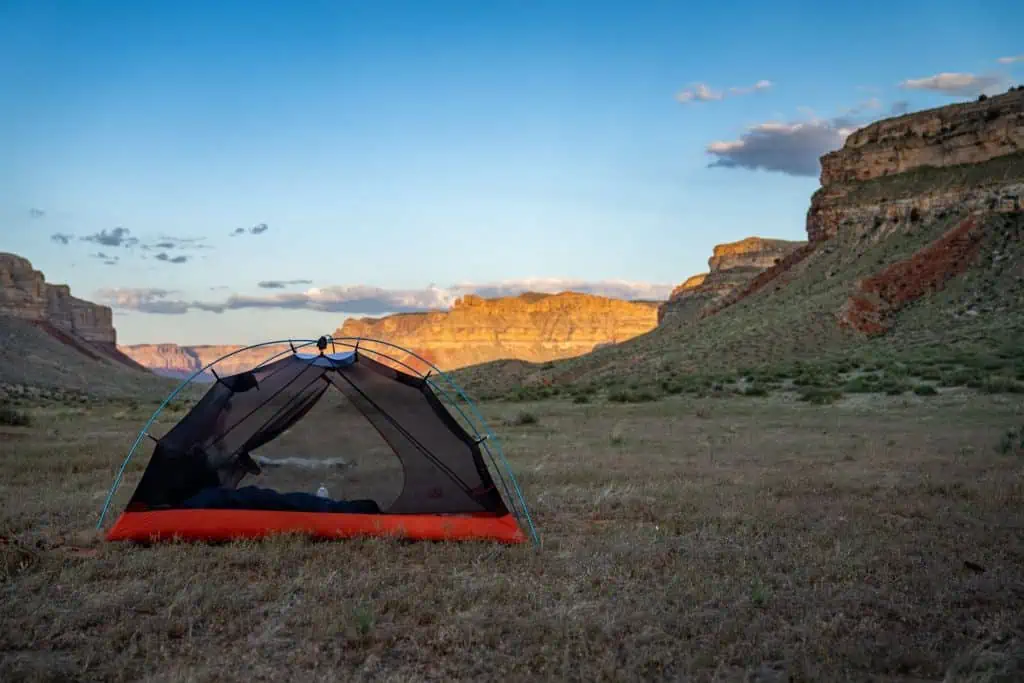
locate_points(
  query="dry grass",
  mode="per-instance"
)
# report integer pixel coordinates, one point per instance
(689, 539)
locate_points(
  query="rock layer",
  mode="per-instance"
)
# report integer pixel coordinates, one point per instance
(731, 267)
(531, 327)
(957, 158)
(966, 133)
(25, 294)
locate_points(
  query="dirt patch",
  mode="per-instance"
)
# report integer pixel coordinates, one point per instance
(879, 298)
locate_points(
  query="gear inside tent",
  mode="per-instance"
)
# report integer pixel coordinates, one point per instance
(348, 443)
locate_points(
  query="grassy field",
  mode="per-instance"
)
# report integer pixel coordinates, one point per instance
(737, 538)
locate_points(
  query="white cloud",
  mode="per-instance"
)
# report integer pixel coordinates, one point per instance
(701, 92)
(954, 84)
(1011, 60)
(366, 300)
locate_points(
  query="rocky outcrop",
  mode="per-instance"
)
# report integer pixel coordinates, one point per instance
(958, 158)
(966, 133)
(25, 294)
(531, 327)
(731, 267)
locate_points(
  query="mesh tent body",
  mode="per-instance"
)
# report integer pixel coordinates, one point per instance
(447, 490)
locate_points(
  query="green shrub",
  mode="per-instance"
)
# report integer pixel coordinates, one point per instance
(636, 396)
(1012, 441)
(1002, 385)
(819, 396)
(925, 390)
(865, 384)
(523, 418)
(671, 387)
(12, 417)
(755, 390)
(893, 387)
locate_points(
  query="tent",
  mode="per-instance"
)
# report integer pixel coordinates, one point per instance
(190, 487)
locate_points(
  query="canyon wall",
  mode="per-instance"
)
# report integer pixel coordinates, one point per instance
(172, 360)
(963, 133)
(731, 267)
(25, 294)
(954, 159)
(945, 163)
(532, 327)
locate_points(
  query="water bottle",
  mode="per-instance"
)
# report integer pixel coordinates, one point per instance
(322, 492)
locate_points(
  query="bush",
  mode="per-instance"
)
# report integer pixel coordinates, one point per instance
(13, 417)
(925, 390)
(635, 396)
(819, 396)
(1002, 385)
(755, 390)
(894, 387)
(865, 384)
(1012, 442)
(523, 418)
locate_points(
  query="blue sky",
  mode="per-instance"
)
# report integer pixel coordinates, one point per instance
(398, 154)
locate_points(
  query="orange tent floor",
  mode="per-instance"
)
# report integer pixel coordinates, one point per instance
(225, 525)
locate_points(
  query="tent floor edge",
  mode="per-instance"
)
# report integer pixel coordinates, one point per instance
(228, 525)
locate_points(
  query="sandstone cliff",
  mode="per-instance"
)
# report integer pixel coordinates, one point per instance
(83, 325)
(965, 133)
(898, 174)
(72, 342)
(731, 267)
(960, 162)
(961, 157)
(25, 294)
(532, 327)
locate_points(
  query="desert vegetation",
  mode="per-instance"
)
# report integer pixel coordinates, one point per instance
(716, 534)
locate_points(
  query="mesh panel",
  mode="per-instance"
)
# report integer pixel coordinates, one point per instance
(209, 447)
(443, 469)
(200, 451)
(281, 391)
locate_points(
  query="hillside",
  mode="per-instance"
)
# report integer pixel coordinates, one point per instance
(53, 341)
(914, 268)
(731, 267)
